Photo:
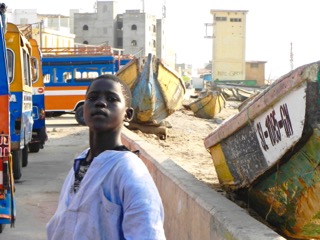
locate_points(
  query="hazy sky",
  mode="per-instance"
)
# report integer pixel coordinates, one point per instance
(271, 27)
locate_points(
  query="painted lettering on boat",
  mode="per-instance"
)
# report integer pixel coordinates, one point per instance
(275, 127)
(280, 127)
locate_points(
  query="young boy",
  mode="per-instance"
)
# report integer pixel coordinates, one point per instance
(109, 193)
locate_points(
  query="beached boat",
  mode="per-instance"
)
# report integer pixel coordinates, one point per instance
(157, 91)
(270, 153)
(208, 105)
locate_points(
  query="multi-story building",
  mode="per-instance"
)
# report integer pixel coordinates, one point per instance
(96, 28)
(135, 31)
(229, 36)
(229, 47)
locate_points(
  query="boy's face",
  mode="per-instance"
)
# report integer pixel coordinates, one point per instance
(105, 107)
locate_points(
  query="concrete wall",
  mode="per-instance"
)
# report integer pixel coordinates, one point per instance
(192, 209)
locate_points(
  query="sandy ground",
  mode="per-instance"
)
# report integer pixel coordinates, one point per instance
(185, 141)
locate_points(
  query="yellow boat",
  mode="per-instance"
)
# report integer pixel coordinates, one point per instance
(157, 91)
(209, 105)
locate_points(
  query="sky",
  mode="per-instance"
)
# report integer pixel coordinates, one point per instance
(273, 26)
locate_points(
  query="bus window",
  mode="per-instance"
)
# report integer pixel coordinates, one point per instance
(84, 74)
(77, 74)
(10, 56)
(35, 69)
(26, 68)
(93, 75)
(67, 76)
(46, 78)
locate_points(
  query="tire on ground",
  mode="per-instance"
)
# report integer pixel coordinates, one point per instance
(17, 163)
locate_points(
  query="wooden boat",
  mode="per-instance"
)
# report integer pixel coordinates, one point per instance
(209, 105)
(157, 91)
(270, 153)
(239, 93)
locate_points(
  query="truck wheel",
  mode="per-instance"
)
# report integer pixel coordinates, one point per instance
(79, 115)
(17, 163)
(25, 155)
(34, 147)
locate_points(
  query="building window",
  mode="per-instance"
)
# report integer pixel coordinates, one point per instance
(154, 28)
(85, 27)
(154, 43)
(235, 19)
(254, 65)
(85, 42)
(119, 42)
(134, 27)
(221, 18)
(133, 43)
(120, 25)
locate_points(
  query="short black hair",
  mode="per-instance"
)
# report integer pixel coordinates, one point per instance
(124, 87)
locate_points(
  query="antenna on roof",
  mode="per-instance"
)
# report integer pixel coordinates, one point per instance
(164, 10)
(142, 5)
(95, 6)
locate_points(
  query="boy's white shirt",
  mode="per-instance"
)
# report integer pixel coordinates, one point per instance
(117, 199)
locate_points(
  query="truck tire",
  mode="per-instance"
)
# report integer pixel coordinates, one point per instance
(17, 163)
(25, 156)
(79, 115)
(34, 147)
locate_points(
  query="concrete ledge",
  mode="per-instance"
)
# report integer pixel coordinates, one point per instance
(192, 209)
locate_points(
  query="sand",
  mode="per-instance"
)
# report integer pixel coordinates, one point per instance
(185, 141)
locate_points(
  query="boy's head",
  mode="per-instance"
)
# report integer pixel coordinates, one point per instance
(107, 104)
(125, 89)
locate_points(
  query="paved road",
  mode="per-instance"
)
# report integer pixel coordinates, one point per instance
(38, 189)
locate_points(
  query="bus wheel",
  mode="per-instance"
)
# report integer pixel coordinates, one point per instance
(34, 147)
(25, 155)
(17, 163)
(79, 115)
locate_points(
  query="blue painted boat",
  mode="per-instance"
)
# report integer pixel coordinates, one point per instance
(157, 91)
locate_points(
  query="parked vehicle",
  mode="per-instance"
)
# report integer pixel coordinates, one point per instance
(21, 122)
(7, 201)
(39, 133)
(269, 153)
(67, 74)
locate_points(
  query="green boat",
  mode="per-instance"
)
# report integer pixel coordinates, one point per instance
(269, 153)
